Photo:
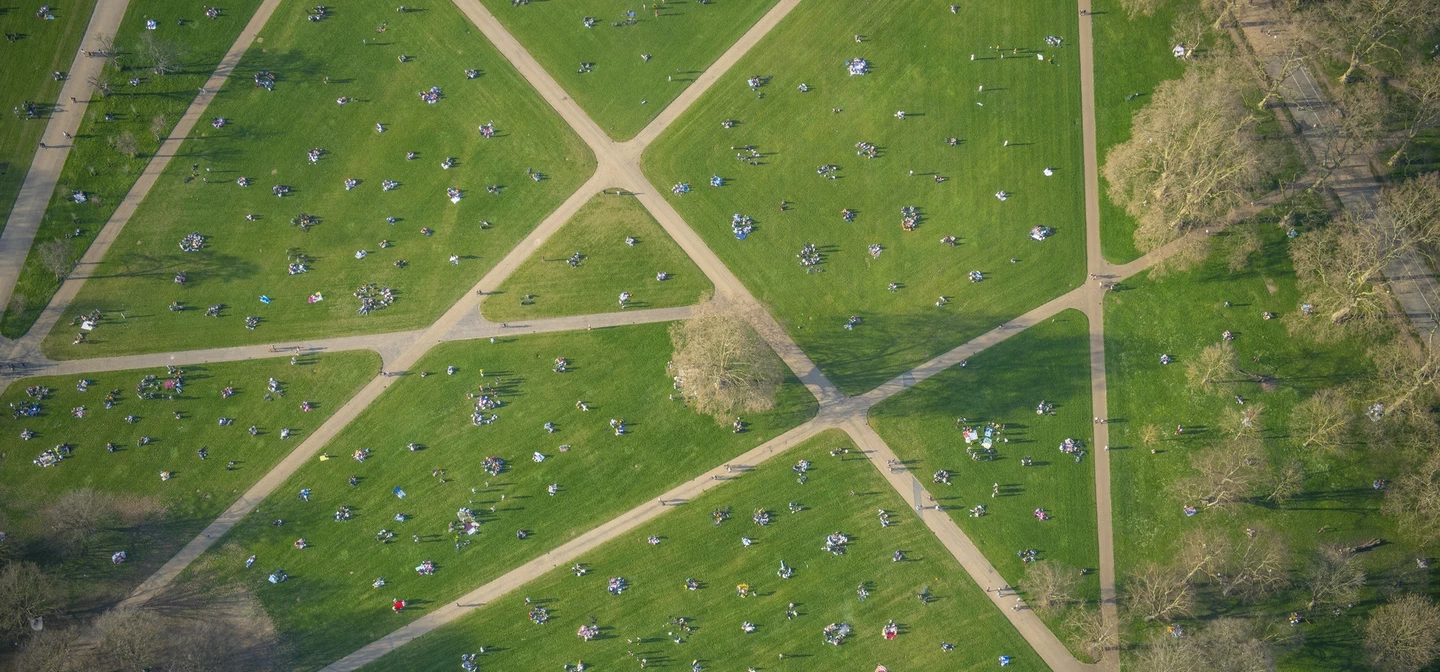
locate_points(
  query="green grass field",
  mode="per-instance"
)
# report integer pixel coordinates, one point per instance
(822, 588)
(106, 157)
(267, 141)
(1181, 314)
(1033, 104)
(622, 92)
(147, 517)
(1004, 385)
(1131, 56)
(610, 265)
(46, 47)
(619, 373)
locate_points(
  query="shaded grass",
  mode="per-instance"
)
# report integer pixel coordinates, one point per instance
(45, 47)
(1004, 384)
(168, 513)
(267, 140)
(96, 167)
(609, 266)
(328, 607)
(822, 588)
(622, 92)
(920, 61)
(1179, 316)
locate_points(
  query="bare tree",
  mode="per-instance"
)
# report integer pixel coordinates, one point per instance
(26, 594)
(1404, 635)
(1246, 243)
(1212, 364)
(1335, 575)
(1222, 10)
(163, 57)
(1423, 114)
(1091, 633)
(1323, 421)
(1414, 501)
(1193, 154)
(1150, 435)
(1049, 585)
(1406, 375)
(1164, 653)
(130, 640)
(1234, 645)
(721, 364)
(101, 83)
(1342, 266)
(1289, 481)
(126, 143)
(159, 126)
(1225, 474)
(1258, 567)
(52, 651)
(1290, 51)
(1156, 593)
(55, 257)
(1356, 127)
(1189, 29)
(1356, 31)
(1243, 422)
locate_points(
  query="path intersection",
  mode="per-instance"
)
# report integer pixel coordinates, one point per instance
(618, 166)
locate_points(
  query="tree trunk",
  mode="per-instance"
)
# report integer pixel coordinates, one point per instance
(1354, 63)
(1398, 152)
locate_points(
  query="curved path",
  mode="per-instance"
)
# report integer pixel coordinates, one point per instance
(618, 165)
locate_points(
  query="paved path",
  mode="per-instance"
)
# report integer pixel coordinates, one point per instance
(39, 185)
(28, 346)
(618, 165)
(1411, 279)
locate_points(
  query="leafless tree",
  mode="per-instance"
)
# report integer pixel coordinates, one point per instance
(1289, 481)
(1193, 154)
(26, 594)
(1092, 634)
(1404, 635)
(1246, 243)
(101, 83)
(1213, 364)
(52, 650)
(130, 640)
(126, 143)
(1155, 593)
(1189, 28)
(1150, 435)
(1291, 50)
(1164, 653)
(163, 57)
(1406, 375)
(55, 257)
(1258, 567)
(1243, 422)
(1355, 130)
(721, 364)
(1234, 645)
(1354, 32)
(1414, 501)
(1222, 10)
(1323, 421)
(1334, 576)
(1225, 474)
(1423, 113)
(159, 126)
(1049, 586)
(1341, 267)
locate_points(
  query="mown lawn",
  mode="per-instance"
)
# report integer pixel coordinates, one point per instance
(1031, 103)
(621, 91)
(108, 155)
(139, 513)
(267, 140)
(1004, 385)
(1181, 314)
(328, 607)
(44, 47)
(1131, 56)
(842, 493)
(608, 265)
